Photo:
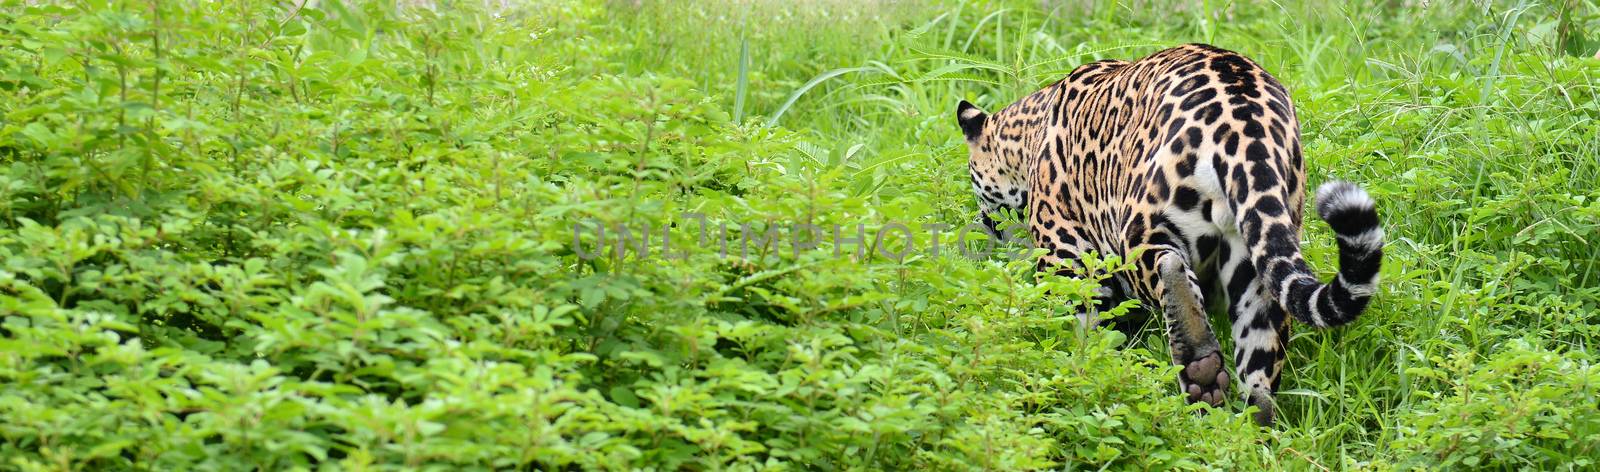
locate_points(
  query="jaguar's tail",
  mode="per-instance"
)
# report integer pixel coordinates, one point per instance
(1354, 219)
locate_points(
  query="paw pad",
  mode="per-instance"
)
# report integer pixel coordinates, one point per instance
(1204, 380)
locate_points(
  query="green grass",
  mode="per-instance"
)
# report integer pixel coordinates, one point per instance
(267, 235)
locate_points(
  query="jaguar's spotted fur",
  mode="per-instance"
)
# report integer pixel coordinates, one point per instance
(1190, 157)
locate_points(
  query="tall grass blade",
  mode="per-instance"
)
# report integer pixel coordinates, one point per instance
(795, 96)
(743, 85)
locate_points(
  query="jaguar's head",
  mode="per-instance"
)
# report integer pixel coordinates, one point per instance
(996, 182)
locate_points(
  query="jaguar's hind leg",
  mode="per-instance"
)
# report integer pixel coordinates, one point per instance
(1168, 279)
(1260, 331)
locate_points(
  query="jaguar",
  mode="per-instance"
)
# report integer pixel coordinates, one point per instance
(1188, 162)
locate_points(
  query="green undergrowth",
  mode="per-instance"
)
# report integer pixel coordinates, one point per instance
(361, 235)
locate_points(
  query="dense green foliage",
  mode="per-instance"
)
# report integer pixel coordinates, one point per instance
(277, 235)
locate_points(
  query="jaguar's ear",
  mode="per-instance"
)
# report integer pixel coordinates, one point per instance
(971, 118)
